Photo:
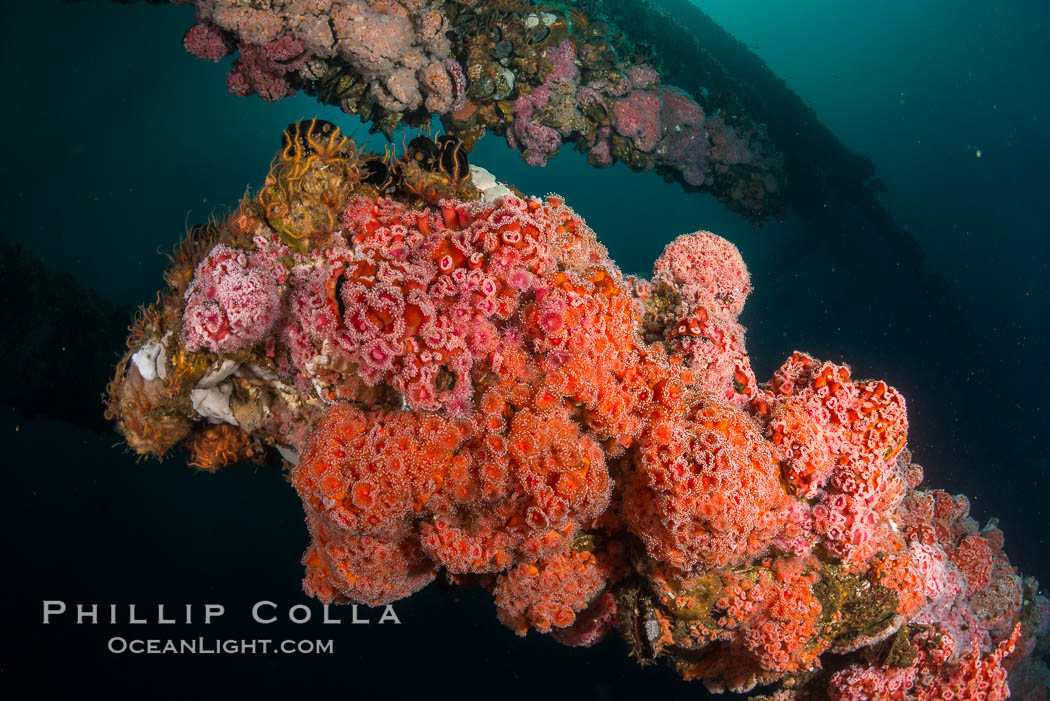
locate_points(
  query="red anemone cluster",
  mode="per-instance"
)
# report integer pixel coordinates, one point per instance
(474, 390)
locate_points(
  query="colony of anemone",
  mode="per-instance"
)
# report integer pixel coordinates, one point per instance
(463, 385)
(540, 74)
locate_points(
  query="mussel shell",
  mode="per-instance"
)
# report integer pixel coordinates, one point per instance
(453, 155)
(482, 88)
(376, 172)
(299, 132)
(596, 112)
(424, 152)
(445, 381)
(503, 49)
(540, 36)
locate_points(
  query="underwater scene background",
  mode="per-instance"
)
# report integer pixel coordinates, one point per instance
(116, 141)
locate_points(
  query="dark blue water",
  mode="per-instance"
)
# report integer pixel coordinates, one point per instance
(114, 139)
